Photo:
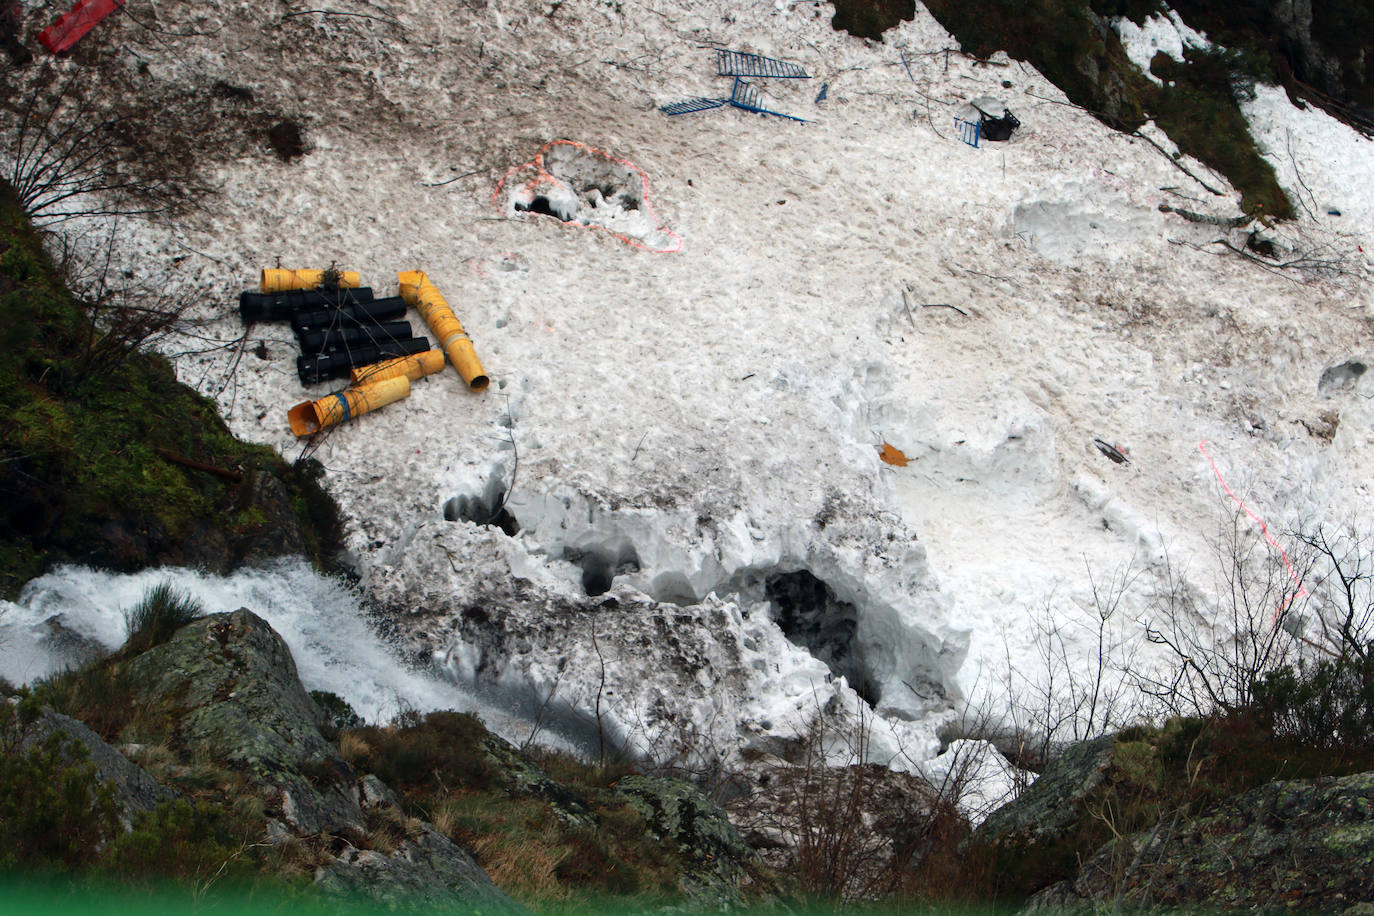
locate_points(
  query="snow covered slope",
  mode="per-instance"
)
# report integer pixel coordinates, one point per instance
(689, 397)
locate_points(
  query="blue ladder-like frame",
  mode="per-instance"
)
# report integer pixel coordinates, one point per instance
(746, 98)
(969, 131)
(741, 63)
(691, 105)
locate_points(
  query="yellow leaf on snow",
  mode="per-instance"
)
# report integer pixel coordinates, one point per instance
(893, 455)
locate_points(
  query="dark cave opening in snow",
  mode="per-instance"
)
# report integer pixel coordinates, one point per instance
(811, 616)
(601, 563)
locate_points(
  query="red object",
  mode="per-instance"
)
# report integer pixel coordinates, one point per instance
(68, 29)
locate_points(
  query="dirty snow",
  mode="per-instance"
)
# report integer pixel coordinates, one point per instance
(679, 436)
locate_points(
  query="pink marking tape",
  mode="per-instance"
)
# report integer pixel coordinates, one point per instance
(1264, 530)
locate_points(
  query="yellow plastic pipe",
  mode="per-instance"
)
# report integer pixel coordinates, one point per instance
(312, 416)
(277, 280)
(416, 290)
(412, 367)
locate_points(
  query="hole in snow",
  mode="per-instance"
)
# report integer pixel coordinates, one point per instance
(602, 563)
(1346, 375)
(577, 184)
(484, 508)
(810, 616)
(541, 204)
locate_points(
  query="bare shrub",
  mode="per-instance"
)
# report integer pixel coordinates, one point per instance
(846, 830)
(70, 157)
(1064, 697)
(1220, 645)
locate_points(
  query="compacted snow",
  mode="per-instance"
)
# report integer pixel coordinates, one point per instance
(694, 375)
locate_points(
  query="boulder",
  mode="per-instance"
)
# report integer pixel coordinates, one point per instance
(426, 873)
(135, 790)
(241, 703)
(718, 864)
(1297, 845)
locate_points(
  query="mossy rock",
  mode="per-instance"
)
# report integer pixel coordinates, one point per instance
(1298, 845)
(107, 459)
(718, 864)
(237, 700)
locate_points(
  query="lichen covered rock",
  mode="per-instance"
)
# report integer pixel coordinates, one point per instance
(720, 865)
(1298, 845)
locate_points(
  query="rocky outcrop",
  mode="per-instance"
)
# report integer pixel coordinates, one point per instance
(1305, 845)
(720, 865)
(426, 873)
(238, 701)
(134, 789)
(241, 703)
(522, 778)
(1039, 838)
(1052, 805)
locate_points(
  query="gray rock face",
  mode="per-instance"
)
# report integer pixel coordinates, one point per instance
(1305, 845)
(1053, 803)
(426, 873)
(241, 703)
(244, 705)
(135, 790)
(720, 863)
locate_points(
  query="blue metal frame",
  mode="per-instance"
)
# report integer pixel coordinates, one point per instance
(691, 105)
(969, 131)
(741, 63)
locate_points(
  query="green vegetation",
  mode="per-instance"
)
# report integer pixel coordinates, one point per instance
(106, 459)
(569, 845)
(872, 18)
(54, 813)
(162, 611)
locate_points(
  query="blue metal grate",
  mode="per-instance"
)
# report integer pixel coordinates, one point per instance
(969, 131)
(740, 63)
(691, 105)
(746, 98)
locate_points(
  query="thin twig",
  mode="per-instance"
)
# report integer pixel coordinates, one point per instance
(1178, 165)
(943, 305)
(515, 466)
(341, 13)
(440, 184)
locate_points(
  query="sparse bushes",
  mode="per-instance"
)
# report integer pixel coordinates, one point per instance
(425, 755)
(1327, 704)
(54, 813)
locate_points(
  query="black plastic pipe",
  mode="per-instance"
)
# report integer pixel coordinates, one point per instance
(358, 335)
(312, 369)
(366, 313)
(280, 306)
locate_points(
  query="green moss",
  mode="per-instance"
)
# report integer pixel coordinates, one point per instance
(1200, 114)
(100, 443)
